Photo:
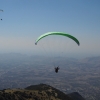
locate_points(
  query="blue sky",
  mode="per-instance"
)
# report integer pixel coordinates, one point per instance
(25, 20)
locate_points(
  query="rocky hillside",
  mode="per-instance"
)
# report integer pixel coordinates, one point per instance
(38, 92)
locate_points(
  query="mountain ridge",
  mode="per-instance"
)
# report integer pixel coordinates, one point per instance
(38, 92)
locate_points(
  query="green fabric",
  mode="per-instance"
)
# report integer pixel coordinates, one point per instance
(57, 33)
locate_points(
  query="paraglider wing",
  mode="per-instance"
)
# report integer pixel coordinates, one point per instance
(57, 33)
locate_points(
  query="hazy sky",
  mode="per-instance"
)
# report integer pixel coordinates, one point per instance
(25, 20)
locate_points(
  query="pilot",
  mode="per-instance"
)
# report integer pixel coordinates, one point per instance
(56, 69)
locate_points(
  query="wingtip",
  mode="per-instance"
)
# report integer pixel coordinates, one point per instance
(35, 43)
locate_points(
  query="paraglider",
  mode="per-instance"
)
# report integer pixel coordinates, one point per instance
(57, 33)
(1, 11)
